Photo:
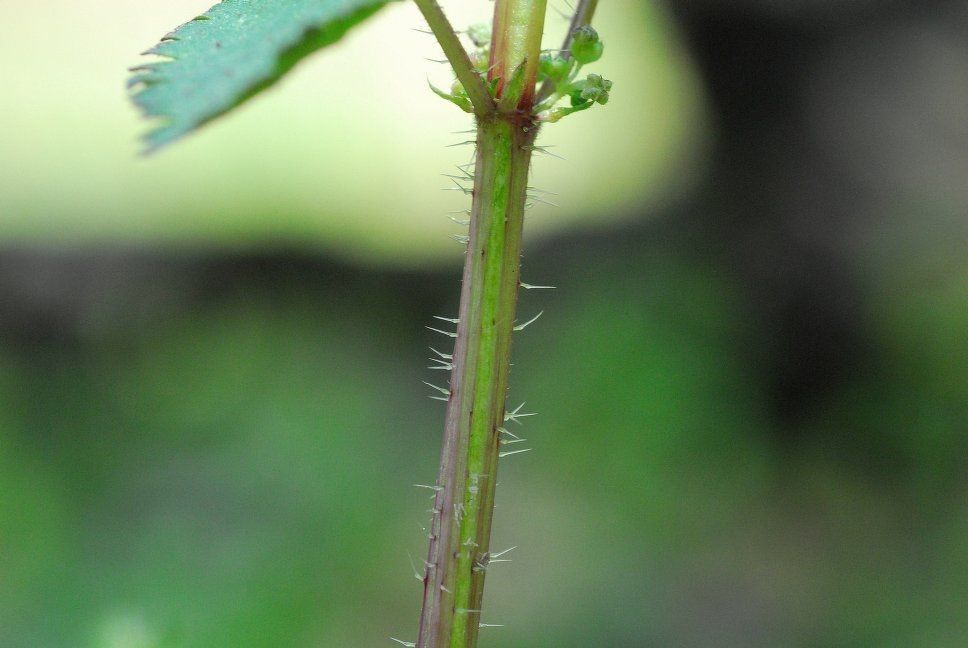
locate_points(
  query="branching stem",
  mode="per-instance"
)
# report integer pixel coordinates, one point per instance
(457, 56)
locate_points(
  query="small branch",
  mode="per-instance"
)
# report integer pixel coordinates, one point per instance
(583, 16)
(457, 55)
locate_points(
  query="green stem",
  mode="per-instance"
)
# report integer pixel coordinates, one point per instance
(516, 41)
(460, 531)
(457, 56)
(464, 507)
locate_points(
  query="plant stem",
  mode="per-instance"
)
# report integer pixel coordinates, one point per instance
(516, 40)
(457, 56)
(460, 531)
(460, 537)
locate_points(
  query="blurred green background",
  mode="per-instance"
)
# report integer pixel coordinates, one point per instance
(751, 380)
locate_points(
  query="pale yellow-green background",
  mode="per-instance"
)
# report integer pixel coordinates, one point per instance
(346, 153)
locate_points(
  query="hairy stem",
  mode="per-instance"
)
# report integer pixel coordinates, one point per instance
(460, 537)
(457, 57)
(459, 552)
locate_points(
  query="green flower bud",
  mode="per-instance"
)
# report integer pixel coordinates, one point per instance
(554, 68)
(586, 47)
(595, 88)
(591, 94)
(576, 98)
(481, 60)
(480, 34)
(598, 81)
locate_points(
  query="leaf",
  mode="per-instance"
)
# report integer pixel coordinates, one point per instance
(231, 53)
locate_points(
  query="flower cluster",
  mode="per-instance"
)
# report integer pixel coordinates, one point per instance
(558, 71)
(561, 70)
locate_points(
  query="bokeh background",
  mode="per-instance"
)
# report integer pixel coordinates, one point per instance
(751, 380)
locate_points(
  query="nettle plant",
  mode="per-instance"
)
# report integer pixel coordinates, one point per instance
(511, 87)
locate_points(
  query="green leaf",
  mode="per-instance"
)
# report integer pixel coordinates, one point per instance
(231, 53)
